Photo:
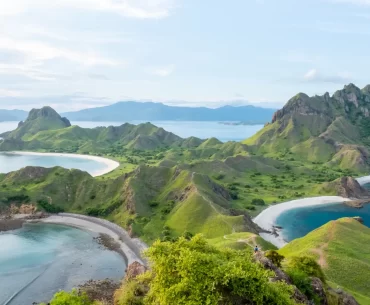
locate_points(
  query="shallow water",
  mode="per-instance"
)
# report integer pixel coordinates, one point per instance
(184, 129)
(13, 162)
(40, 259)
(298, 222)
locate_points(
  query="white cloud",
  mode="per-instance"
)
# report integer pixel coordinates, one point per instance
(39, 51)
(9, 93)
(164, 71)
(314, 75)
(143, 9)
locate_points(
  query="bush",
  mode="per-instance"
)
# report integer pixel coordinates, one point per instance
(131, 293)
(70, 298)
(258, 201)
(303, 283)
(50, 208)
(219, 176)
(194, 272)
(153, 204)
(308, 265)
(275, 257)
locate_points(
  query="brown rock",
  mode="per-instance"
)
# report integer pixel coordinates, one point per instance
(134, 270)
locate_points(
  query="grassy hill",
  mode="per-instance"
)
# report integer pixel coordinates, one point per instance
(333, 130)
(148, 201)
(342, 248)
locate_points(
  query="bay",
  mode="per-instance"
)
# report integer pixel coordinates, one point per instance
(298, 222)
(40, 259)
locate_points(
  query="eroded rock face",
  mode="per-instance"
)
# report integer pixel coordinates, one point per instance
(318, 288)
(350, 188)
(134, 270)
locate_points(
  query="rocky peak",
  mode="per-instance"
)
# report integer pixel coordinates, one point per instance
(350, 188)
(46, 112)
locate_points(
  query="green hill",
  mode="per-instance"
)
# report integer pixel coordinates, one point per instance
(342, 248)
(144, 201)
(326, 129)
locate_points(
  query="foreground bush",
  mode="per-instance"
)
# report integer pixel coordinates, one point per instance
(70, 298)
(193, 272)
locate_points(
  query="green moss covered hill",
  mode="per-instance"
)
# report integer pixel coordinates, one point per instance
(342, 248)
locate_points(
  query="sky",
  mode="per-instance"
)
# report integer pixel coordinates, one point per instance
(74, 54)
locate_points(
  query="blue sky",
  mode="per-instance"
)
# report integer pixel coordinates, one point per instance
(74, 54)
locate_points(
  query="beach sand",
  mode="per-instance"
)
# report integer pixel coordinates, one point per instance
(131, 247)
(267, 218)
(110, 164)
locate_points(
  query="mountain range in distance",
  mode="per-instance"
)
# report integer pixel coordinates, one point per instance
(150, 111)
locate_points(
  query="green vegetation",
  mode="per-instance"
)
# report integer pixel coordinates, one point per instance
(342, 249)
(72, 298)
(193, 272)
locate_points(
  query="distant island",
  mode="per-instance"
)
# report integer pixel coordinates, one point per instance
(240, 123)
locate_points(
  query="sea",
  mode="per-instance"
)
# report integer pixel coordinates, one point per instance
(299, 222)
(40, 259)
(184, 129)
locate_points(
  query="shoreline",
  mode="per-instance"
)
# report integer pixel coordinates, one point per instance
(130, 247)
(110, 164)
(267, 218)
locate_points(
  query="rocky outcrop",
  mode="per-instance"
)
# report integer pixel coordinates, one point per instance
(134, 270)
(10, 224)
(349, 188)
(319, 289)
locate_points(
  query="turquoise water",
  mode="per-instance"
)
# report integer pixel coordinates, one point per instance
(203, 130)
(298, 222)
(12, 162)
(40, 259)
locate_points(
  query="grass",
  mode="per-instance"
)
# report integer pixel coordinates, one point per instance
(345, 246)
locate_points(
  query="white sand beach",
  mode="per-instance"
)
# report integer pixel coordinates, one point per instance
(363, 180)
(131, 247)
(110, 164)
(267, 218)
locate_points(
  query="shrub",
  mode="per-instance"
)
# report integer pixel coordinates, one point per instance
(219, 176)
(187, 272)
(303, 283)
(258, 201)
(308, 265)
(70, 298)
(50, 208)
(153, 204)
(131, 293)
(275, 257)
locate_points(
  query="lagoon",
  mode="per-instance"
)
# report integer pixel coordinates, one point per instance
(40, 259)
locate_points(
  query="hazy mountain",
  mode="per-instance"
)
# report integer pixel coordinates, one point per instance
(125, 111)
(12, 115)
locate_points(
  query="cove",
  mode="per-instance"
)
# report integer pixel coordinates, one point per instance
(95, 166)
(298, 222)
(40, 259)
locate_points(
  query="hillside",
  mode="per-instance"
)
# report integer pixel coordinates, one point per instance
(342, 248)
(144, 201)
(45, 129)
(128, 111)
(332, 130)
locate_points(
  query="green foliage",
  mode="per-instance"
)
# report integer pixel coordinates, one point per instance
(130, 293)
(258, 201)
(50, 208)
(275, 257)
(70, 298)
(303, 283)
(307, 265)
(193, 272)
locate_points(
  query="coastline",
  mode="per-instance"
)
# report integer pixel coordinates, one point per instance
(130, 247)
(110, 164)
(267, 218)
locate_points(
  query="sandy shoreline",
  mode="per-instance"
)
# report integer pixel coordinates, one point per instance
(130, 247)
(267, 218)
(110, 164)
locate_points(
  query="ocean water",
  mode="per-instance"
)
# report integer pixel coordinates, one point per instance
(298, 222)
(13, 162)
(40, 259)
(183, 129)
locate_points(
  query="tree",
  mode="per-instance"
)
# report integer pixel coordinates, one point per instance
(275, 257)
(307, 265)
(192, 272)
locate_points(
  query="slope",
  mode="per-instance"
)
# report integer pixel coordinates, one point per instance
(342, 248)
(326, 129)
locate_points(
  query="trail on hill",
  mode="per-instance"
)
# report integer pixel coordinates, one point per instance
(246, 241)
